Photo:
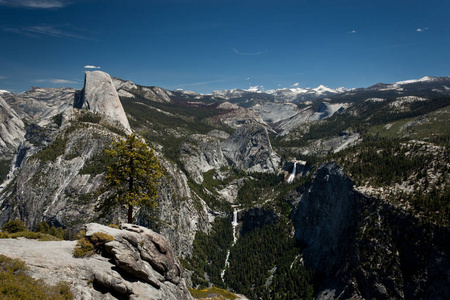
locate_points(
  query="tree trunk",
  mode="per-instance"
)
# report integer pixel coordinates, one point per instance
(130, 213)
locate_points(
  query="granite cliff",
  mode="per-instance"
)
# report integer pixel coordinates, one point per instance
(362, 247)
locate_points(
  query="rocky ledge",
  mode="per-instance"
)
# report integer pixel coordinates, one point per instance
(139, 264)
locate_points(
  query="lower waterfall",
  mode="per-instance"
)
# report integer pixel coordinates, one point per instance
(234, 223)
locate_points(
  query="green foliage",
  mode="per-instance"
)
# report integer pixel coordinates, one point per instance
(89, 117)
(209, 253)
(87, 246)
(34, 235)
(43, 227)
(57, 119)
(133, 176)
(4, 169)
(53, 150)
(259, 184)
(16, 284)
(13, 226)
(98, 164)
(258, 252)
(212, 293)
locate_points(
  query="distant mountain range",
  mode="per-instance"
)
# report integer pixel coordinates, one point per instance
(298, 94)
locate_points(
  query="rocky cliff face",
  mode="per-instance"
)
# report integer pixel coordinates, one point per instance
(140, 265)
(12, 131)
(366, 248)
(249, 149)
(128, 89)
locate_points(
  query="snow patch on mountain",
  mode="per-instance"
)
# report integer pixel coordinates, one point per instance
(423, 79)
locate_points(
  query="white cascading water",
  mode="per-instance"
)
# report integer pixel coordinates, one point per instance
(234, 223)
(292, 176)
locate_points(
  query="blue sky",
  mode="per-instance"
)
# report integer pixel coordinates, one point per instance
(206, 45)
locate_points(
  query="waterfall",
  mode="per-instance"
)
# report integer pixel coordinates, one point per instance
(234, 224)
(292, 176)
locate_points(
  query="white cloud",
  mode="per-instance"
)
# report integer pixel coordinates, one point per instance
(296, 84)
(2, 77)
(46, 30)
(56, 81)
(200, 83)
(248, 78)
(246, 53)
(256, 88)
(44, 4)
(91, 67)
(422, 29)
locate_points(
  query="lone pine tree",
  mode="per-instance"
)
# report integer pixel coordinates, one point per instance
(134, 175)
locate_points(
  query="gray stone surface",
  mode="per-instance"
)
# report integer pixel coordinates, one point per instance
(249, 148)
(12, 130)
(143, 265)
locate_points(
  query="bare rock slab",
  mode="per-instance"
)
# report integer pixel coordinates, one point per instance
(142, 265)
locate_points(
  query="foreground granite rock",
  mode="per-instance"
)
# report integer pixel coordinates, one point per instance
(141, 265)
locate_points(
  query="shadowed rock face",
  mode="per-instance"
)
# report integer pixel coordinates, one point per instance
(364, 248)
(323, 218)
(100, 96)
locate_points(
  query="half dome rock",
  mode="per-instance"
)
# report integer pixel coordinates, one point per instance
(100, 96)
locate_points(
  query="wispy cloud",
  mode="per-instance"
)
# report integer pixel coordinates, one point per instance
(199, 83)
(236, 51)
(2, 77)
(56, 81)
(47, 30)
(295, 84)
(422, 29)
(352, 32)
(91, 67)
(43, 4)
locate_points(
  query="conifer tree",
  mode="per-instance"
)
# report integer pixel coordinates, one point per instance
(134, 175)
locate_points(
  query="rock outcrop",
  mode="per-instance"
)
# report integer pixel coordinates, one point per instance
(366, 248)
(143, 265)
(12, 130)
(249, 149)
(100, 96)
(201, 153)
(128, 89)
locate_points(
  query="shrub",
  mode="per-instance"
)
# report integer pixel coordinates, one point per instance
(83, 248)
(42, 227)
(114, 226)
(100, 238)
(13, 226)
(87, 246)
(16, 284)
